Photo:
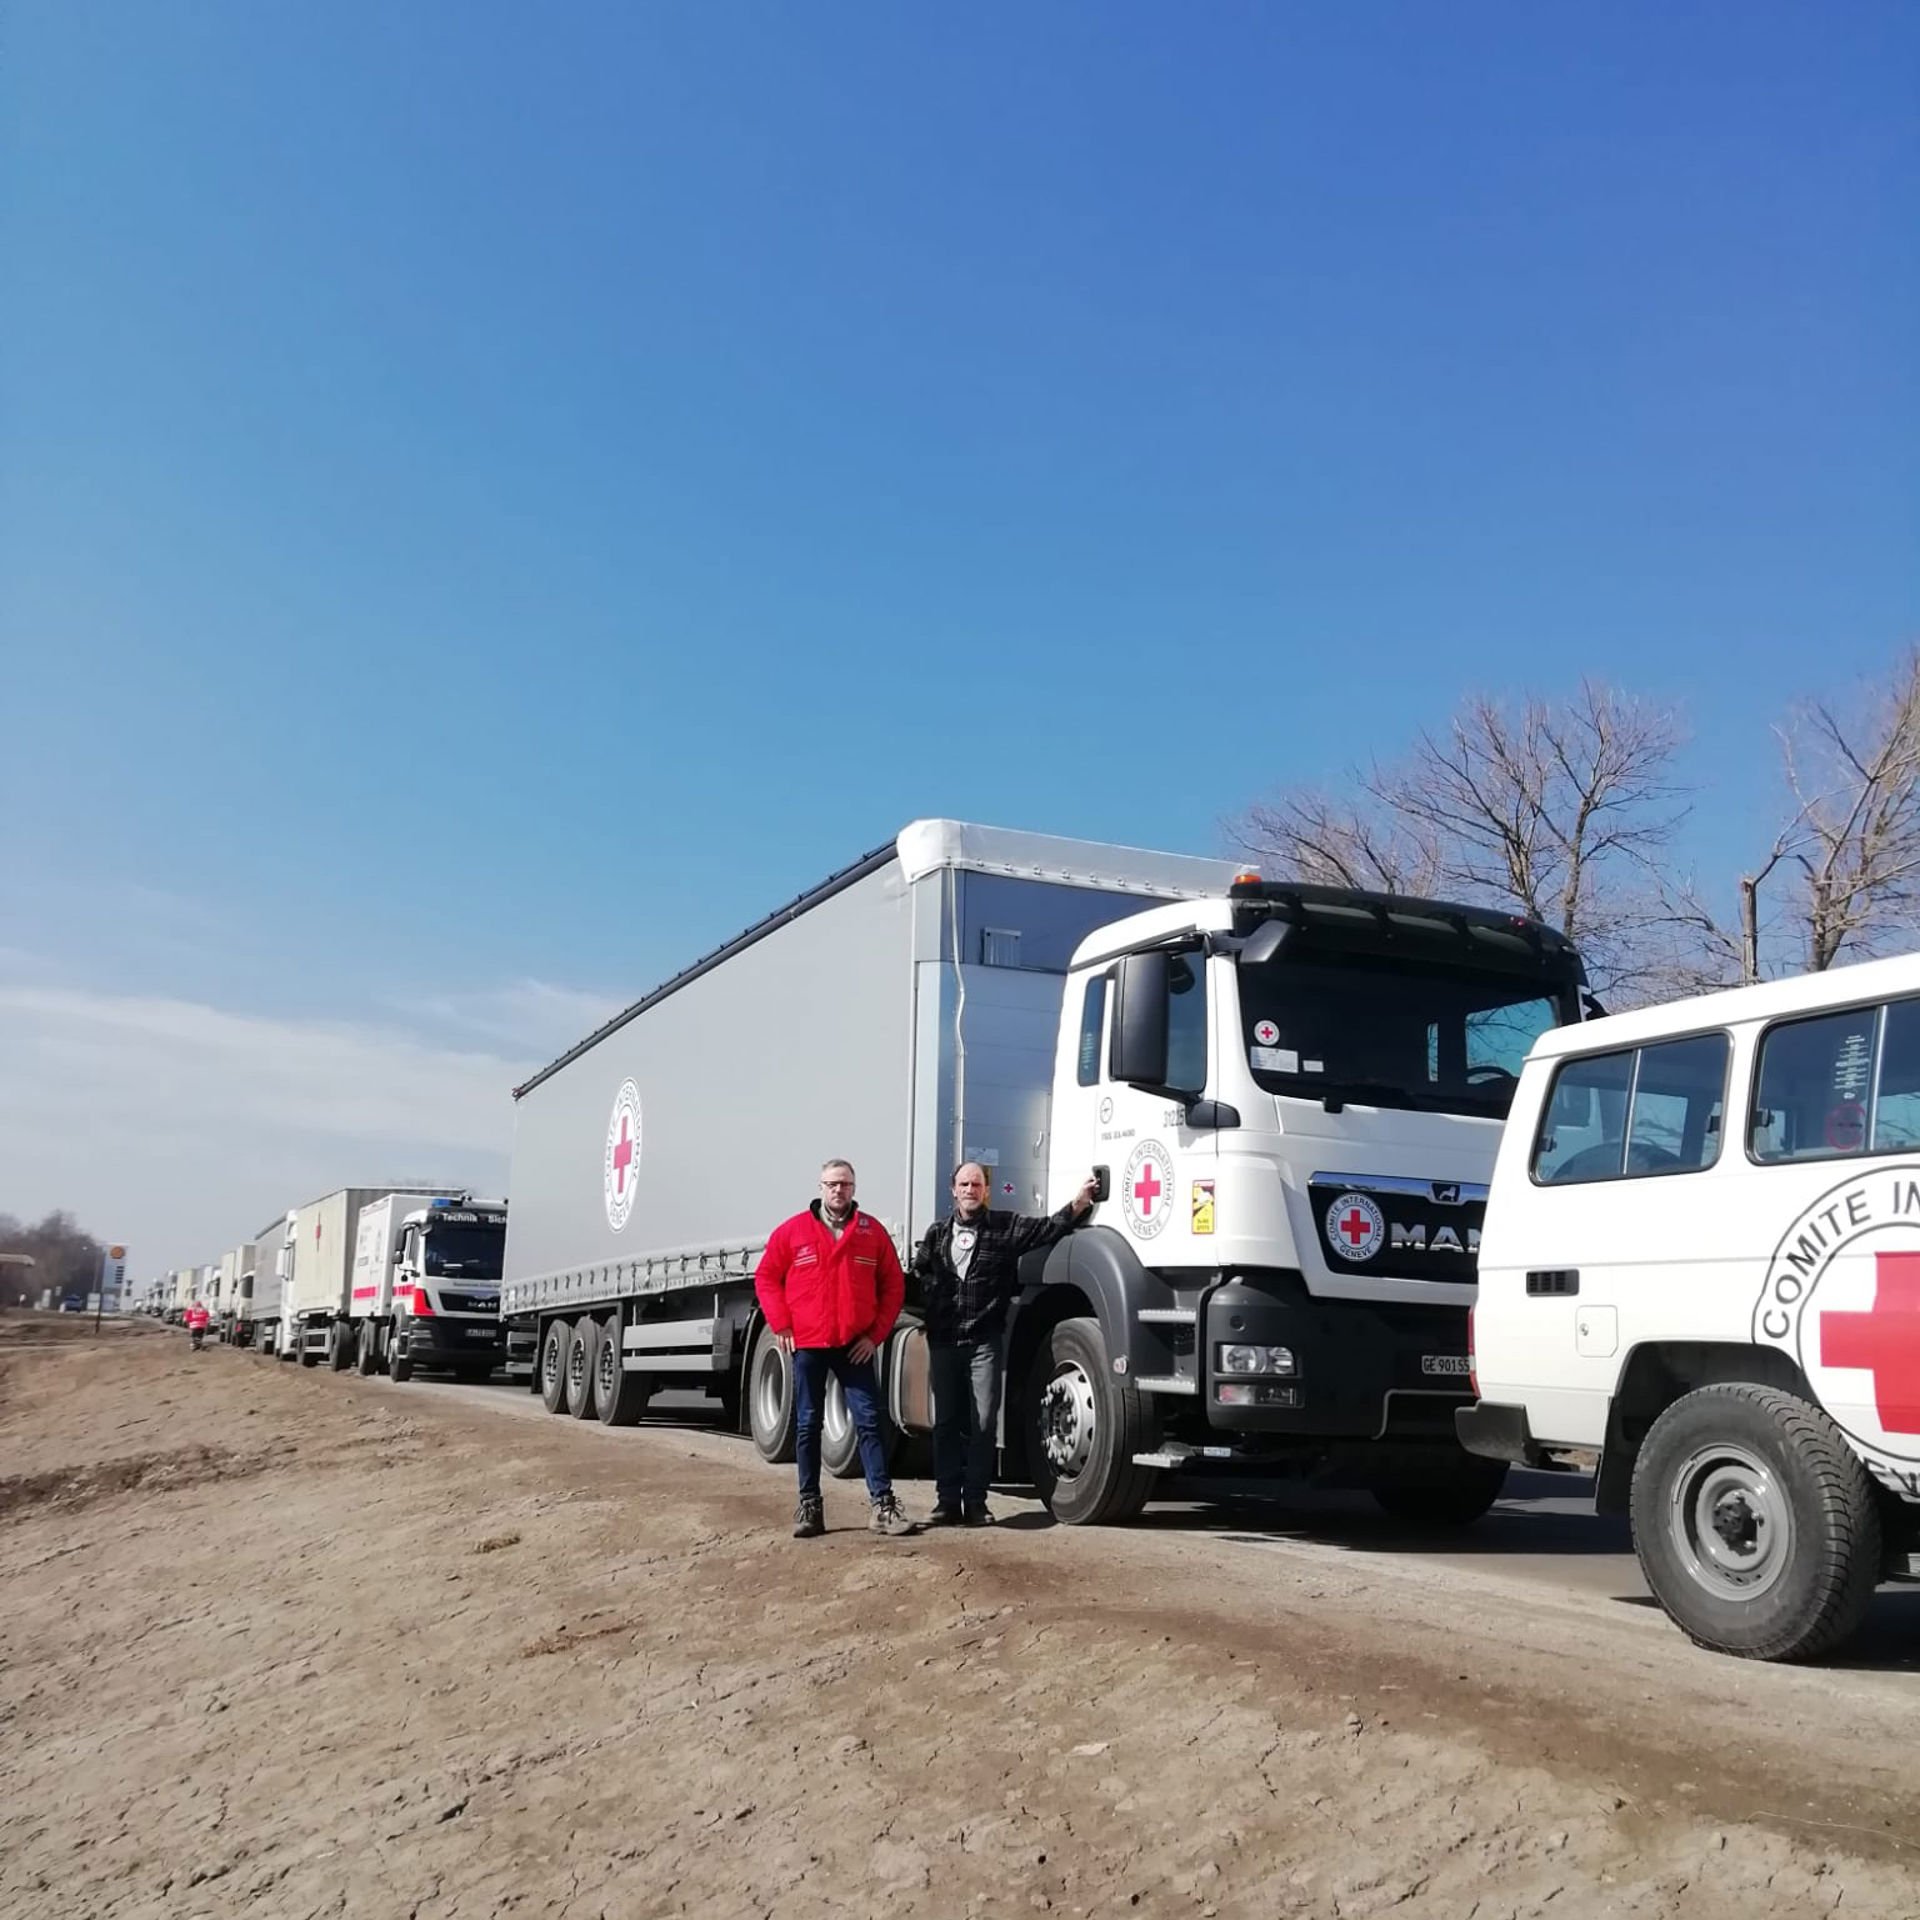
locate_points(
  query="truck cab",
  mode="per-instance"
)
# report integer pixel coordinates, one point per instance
(1292, 1099)
(444, 1281)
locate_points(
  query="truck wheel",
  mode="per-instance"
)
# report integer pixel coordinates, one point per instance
(1755, 1523)
(1084, 1425)
(551, 1373)
(620, 1396)
(307, 1356)
(367, 1358)
(399, 1365)
(582, 1357)
(840, 1440)
(770, 1399)
(1455, 1494)
(340, 1346)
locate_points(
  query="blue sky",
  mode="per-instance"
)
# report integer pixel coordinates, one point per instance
(633, 458)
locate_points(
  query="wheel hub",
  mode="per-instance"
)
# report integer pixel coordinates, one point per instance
(1067, 1421)
(1730, 1522)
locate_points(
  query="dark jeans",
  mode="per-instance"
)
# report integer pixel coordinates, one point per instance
(811, 1365)
(966, 1419)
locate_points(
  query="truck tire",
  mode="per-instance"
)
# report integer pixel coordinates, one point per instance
(1084, 1425)
(619, 1396)
(399, 1364)
(840, 1441)
(367, 1358)
(770, 1399)
(582, 1357)
(340, 1346)
(1755, 1523)
(1455, 1494)
(551, 1372)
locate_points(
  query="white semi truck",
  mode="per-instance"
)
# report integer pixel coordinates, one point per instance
(426, 1286)
(1290, 1096)
(317, 1297)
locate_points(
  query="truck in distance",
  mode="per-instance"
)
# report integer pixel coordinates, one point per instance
(1291, 1096)
(426, 1285)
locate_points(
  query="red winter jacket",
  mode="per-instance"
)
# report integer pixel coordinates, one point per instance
(828, 1292)
(197, 1317)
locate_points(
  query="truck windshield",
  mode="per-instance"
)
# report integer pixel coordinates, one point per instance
(1393, 1033)
(468, 1253)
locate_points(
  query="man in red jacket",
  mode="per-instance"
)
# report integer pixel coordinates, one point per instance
(831, 1288)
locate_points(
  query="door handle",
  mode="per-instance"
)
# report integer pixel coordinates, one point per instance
(1102, 1184)
(1553, 1281)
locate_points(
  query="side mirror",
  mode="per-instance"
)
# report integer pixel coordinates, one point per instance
(1138, 1055)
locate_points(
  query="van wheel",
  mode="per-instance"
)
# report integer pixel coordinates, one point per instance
(620, 1396)
(1755, 1523)
(1084, 1425)
(770, 1399)
(555, 1344)
(582, 1357)
(1454, 1494)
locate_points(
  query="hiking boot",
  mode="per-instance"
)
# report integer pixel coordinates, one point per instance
(944, 1516)
(977, 1516)
(888, 1517)
(809, 1518)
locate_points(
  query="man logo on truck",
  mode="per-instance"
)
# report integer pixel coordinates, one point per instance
(1842, 1297)
(622, 1169)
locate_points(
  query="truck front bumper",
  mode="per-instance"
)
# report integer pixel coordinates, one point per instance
(1361, 1370)
(441, 1340)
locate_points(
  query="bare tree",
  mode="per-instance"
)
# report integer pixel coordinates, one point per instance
(1842, 876)
(1557, 808)
(66, 1259)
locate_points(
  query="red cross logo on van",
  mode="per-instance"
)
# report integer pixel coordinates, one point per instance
(1884, 1341)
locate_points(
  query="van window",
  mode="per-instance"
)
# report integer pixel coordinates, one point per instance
(1896, 1100)
(1093, 1024)
(1812, 1091)
(1655, 1109)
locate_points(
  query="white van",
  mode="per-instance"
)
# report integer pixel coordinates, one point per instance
(1702, 1259)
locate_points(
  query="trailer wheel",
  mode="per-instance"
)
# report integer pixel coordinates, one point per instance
(770, 1399)
(555, 1343)
(582, 1358)
(1084, 1425)
(340, 1346)
(620, 1396)
(1455, 1493)
(840, 1440)
(367, 1358)
(1755, 1523)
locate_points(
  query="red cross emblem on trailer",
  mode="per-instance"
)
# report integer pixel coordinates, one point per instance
(1144, 1190)
(1355, 1227)
(1842, 1298)
(621, 1168)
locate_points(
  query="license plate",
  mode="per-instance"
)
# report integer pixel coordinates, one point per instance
(1451, 1363)
(486, 1333)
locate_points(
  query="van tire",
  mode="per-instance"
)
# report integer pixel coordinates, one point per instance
(1454, 1494)
(1083, 1425)
(1806, 1539)
(770, 1399)
(550, 1370)
(619, 1396)
(582, 1357)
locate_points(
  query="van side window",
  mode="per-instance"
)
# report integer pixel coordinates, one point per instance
(1655, 1109)
(1896, 1100)
(1093, 1025)
(1813, 1088)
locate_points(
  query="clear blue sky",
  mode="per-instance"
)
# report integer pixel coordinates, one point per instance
(638, 456)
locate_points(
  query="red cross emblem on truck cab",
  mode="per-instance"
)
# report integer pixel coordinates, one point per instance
(1884, 1341)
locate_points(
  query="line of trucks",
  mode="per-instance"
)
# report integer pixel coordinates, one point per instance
(1295, 1101)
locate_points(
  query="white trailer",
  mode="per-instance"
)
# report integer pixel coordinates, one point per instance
(1291, 1096)
(426, 1286)
(226, 1306)
(317, 1299)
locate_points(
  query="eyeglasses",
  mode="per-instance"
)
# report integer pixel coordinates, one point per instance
(836, 1183)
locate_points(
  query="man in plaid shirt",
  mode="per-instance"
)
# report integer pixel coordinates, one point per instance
(968, 1266)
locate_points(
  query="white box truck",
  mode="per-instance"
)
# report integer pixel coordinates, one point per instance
(233, 1267)
(316, 1302)
(1292, 1097)
(1702, 1261)
(426, 1286)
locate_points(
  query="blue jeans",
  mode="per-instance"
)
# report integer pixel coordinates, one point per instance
(966, 1419)
(811, 1365)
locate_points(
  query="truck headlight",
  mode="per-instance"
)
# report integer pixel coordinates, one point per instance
(1238, 1359)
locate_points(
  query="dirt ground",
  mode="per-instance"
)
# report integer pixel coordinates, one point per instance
(280, 1643)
